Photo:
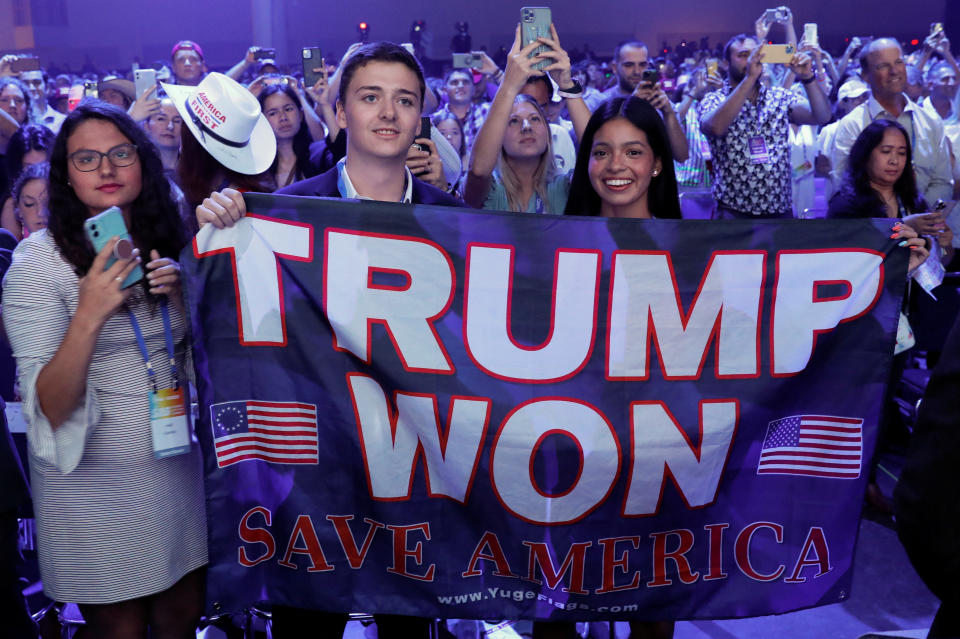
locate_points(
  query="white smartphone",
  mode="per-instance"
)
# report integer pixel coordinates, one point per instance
(143, 80)
(810, 34)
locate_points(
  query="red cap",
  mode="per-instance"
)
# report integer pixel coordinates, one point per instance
(186, 44)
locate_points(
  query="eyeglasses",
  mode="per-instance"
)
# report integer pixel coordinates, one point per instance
(89, 160)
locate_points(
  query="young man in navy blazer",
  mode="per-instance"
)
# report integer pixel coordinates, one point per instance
(381, 93)
(381, 97)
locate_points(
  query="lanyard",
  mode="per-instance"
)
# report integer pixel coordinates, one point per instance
(539, 205)
(168, 335)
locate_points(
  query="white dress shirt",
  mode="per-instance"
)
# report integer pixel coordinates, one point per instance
(931, 150)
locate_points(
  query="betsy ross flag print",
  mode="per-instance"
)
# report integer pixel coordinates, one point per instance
(277, 432)
(816, 445)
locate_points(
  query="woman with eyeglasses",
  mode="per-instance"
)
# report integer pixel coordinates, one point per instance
(118, 493)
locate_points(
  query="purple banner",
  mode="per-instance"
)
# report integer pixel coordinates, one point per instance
(426, 411)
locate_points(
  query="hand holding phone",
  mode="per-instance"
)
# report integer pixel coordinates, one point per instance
(313, 65)
(100, 230)
(472, 60)
(100, 292)
(535, 23)
(143, 80)
(25, 63)
(778, 53)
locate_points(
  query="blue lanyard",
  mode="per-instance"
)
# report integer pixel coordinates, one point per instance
(168, 335)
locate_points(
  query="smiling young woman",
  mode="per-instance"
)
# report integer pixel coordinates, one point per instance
(624, 165)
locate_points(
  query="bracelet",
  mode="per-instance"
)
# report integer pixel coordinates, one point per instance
(498, 76)
(572, 92)
(808, 80)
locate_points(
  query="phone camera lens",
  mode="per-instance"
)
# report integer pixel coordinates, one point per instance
(96, 233)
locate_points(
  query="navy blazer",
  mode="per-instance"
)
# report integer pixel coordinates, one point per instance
(325, 185)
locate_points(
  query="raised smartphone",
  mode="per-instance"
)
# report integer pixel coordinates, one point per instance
(25, 63)
(312, 59)
(535, 23)
(467, 60)
(100, 228)
(810, 35)
(778, 53)
(143, 80)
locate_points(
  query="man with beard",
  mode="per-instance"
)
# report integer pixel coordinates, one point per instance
(747, 126)
(884, 70)
(630, 60)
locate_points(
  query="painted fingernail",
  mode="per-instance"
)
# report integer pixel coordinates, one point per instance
(914, 248)
(903, 243)
(894, 236)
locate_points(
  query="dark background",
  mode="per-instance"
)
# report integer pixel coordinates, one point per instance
(109, 33)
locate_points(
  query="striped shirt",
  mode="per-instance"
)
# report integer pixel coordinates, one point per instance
(113, 522)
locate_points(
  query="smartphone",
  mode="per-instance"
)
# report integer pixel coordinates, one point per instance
(312, 59)
(265, 54)
(425, 126)
(90, 89)
(810, 35)
(100, 228)
(778, 53)
(936, 28)
(713, 66)
(144, 80)
(25, 63)
(535, 23)
(470, 60)
(650, 76)
(771, 16)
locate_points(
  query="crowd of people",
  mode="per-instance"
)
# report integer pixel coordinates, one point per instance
(530, 132)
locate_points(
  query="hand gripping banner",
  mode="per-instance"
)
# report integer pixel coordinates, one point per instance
(437, 412)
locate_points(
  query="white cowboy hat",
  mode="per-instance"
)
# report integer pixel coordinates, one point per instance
(226, 120)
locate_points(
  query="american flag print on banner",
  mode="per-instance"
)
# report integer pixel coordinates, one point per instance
(276, 432)
(816, 445)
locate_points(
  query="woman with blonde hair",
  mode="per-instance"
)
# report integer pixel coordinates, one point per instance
(512, 166)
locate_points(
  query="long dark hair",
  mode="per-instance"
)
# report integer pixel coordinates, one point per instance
(437, 119)
(197, 172)
(15, 82)
(856, 184)
(154, 219)
(301, 139)
(662, 196)
(29, 137)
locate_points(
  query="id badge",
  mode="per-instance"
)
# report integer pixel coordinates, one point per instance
(757, 148)
(802, 170)
(705, 150)
(169, 423)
